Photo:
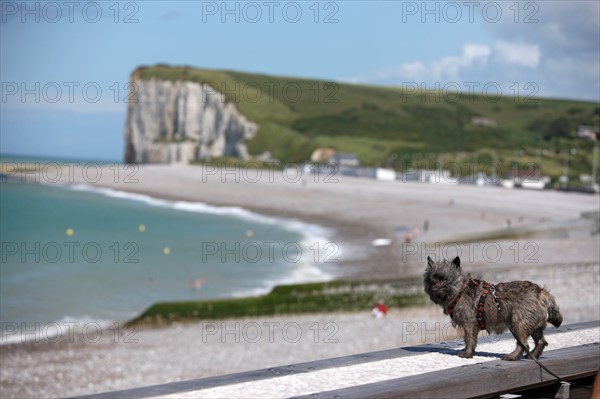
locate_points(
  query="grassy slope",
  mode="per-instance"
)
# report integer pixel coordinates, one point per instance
(295, 116)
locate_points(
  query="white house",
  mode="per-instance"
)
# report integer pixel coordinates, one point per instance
(385, 174)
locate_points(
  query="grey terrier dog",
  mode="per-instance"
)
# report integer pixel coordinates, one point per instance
(522, 307)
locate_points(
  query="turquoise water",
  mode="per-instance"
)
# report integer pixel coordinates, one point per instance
(78, 253)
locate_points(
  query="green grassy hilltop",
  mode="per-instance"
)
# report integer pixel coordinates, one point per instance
(392, 126)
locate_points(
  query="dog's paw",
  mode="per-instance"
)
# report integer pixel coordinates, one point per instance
(510, 358)
(465, 354)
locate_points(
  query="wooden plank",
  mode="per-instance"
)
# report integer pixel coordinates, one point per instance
(482, 380)
(211, 382)
(365, 390)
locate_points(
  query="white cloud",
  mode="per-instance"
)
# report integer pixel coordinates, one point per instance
(474, 60)
(474, 53)
(448, 67)
(527, 55)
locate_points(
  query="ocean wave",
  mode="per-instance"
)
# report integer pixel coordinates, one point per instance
(294, 225)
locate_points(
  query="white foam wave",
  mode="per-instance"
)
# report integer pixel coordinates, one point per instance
(109, 192)
(293, 225)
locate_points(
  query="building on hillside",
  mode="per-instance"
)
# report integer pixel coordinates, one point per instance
(531, 179)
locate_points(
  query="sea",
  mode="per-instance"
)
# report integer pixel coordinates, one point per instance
(72, 255)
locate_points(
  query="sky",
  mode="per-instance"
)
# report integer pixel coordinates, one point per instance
(65, 65)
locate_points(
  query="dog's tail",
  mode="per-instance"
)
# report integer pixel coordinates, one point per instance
(554, 315)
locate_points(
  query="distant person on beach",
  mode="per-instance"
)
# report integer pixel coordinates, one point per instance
(508, 223)
(425, 226)
(380, 310)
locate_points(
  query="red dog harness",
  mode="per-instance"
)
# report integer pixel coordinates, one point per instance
(487, 288)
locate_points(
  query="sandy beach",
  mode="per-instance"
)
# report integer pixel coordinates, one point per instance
(562, 255)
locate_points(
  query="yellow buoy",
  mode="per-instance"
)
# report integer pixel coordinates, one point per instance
(166, 250)
(70, 232)
(142, 228)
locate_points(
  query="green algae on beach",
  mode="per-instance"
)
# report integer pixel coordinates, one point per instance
(335, 296)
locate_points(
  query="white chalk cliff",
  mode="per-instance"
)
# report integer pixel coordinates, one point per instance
(181, 121)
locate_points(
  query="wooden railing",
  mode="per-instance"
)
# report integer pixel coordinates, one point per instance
(425, 371)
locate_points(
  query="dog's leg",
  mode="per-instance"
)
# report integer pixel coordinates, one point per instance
(521, 336)
(540, 342)
(471, 331)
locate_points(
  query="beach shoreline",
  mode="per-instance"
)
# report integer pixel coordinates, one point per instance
(359, 210)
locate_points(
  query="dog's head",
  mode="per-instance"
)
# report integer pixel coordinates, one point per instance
(443, 279)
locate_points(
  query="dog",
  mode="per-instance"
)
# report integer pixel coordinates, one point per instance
(522, 307)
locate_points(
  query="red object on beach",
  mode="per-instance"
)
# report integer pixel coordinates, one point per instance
(382, 308)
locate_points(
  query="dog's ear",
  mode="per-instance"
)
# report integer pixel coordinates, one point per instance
(429, 261)
(456, 262)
